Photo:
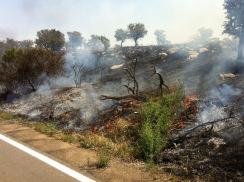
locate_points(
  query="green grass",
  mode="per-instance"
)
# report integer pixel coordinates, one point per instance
(157, 115)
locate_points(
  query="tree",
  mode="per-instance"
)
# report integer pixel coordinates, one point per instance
(161, 37)
(205, 34)
(136, 31)
(26, 67)
(105, 41)
(121, 35)
(75, 39)
(50, 39)
(25, 44)
(98, 43)
(11, 43)
(234, 24)
(94, 43)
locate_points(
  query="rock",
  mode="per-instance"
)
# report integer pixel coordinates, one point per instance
(118, 66)
(193, 55)
(163, 55)
(225, 76)
(216, 142)
(203, 50)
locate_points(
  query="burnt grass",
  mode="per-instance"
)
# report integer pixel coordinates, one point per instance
(195, 156)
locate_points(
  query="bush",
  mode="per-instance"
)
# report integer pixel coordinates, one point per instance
(28, 68)
(157, 116)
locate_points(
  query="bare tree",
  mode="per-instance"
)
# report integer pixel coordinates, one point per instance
(130, 71)
(78, 70)
(161, 80)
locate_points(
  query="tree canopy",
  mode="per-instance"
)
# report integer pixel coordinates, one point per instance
(75, 39)
(26, 67)
(50, 39)
(234, 24)
(121, 35)
(161, 37)
(136, 31)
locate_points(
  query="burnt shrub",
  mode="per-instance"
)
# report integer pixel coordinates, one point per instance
(28, 68)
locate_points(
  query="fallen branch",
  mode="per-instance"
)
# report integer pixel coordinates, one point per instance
(135, 97)
(185, 134)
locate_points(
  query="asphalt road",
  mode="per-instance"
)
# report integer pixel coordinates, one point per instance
(18, 166)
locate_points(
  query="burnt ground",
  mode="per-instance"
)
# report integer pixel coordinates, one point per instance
(214, 152)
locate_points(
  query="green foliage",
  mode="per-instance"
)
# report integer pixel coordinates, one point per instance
(98, 43)
(234, 17)
(25, 67)
(121, 35)
(136, 31)
(157, 115)
(75, 40)
(52, 40)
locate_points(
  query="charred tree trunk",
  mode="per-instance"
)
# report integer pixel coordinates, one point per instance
(31, 85)
(136, 42)
(241, 47)
(121, 44)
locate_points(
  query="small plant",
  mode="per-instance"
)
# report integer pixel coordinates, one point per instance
(103, 158)
(49, 129)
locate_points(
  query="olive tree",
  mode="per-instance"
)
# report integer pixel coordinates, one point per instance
(121, 35)
(136, 31)
(50, 39)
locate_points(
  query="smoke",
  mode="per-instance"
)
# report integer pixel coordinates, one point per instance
(214, 105)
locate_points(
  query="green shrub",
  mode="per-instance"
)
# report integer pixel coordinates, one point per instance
(157, 116)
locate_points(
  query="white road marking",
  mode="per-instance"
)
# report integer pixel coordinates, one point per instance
(47, 160)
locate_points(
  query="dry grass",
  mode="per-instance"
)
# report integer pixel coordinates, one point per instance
(7, 116)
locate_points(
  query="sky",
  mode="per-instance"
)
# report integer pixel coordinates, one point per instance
(21, 19)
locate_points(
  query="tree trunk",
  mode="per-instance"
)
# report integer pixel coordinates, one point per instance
(241, 47)
(31, 85)
(121, 43)
(136, 43)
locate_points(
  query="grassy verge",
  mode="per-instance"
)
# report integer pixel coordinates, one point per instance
(142, 135)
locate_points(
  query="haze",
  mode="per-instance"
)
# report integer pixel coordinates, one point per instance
(21, 19)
